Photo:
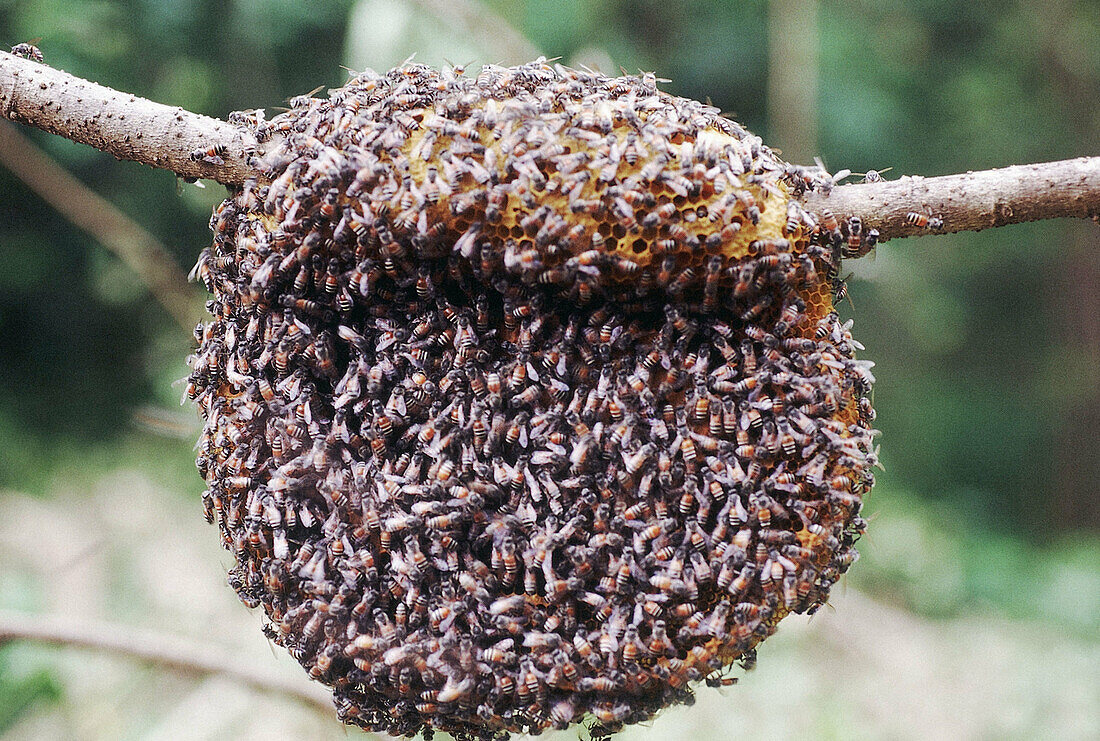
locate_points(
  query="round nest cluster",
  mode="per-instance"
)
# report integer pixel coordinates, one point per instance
(525, 400)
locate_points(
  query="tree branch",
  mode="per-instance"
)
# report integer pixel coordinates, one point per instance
(970, 201)
(129, 127)
(160, 136)
(169, 652)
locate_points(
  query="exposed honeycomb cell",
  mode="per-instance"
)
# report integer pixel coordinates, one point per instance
(525, 399)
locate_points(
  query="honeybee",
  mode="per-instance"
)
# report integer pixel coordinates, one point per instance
(873, 176)
(212, 155)
(720, 679)
(28, 50)
(924, 221)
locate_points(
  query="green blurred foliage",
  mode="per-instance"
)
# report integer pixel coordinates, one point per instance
(81, 343)
(23, 685)
(919, 557)
(988, 379)
(989, 396)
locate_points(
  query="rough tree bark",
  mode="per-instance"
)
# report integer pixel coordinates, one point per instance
(136, 129)
(129, 127)
(971, 201)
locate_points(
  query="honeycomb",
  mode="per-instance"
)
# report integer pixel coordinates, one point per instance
(525, 398)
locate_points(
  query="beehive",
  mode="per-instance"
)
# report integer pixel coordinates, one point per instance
(525, 401)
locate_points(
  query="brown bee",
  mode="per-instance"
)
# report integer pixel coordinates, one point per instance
(924, 221)
(509, 384)
(212, 155)
(720, 679)
(28, 50)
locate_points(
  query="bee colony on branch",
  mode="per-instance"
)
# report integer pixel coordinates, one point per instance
(525, 399)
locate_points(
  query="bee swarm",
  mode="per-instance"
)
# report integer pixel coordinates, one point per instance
(525, 400)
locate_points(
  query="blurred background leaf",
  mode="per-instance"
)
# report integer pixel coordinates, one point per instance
(987, 345)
